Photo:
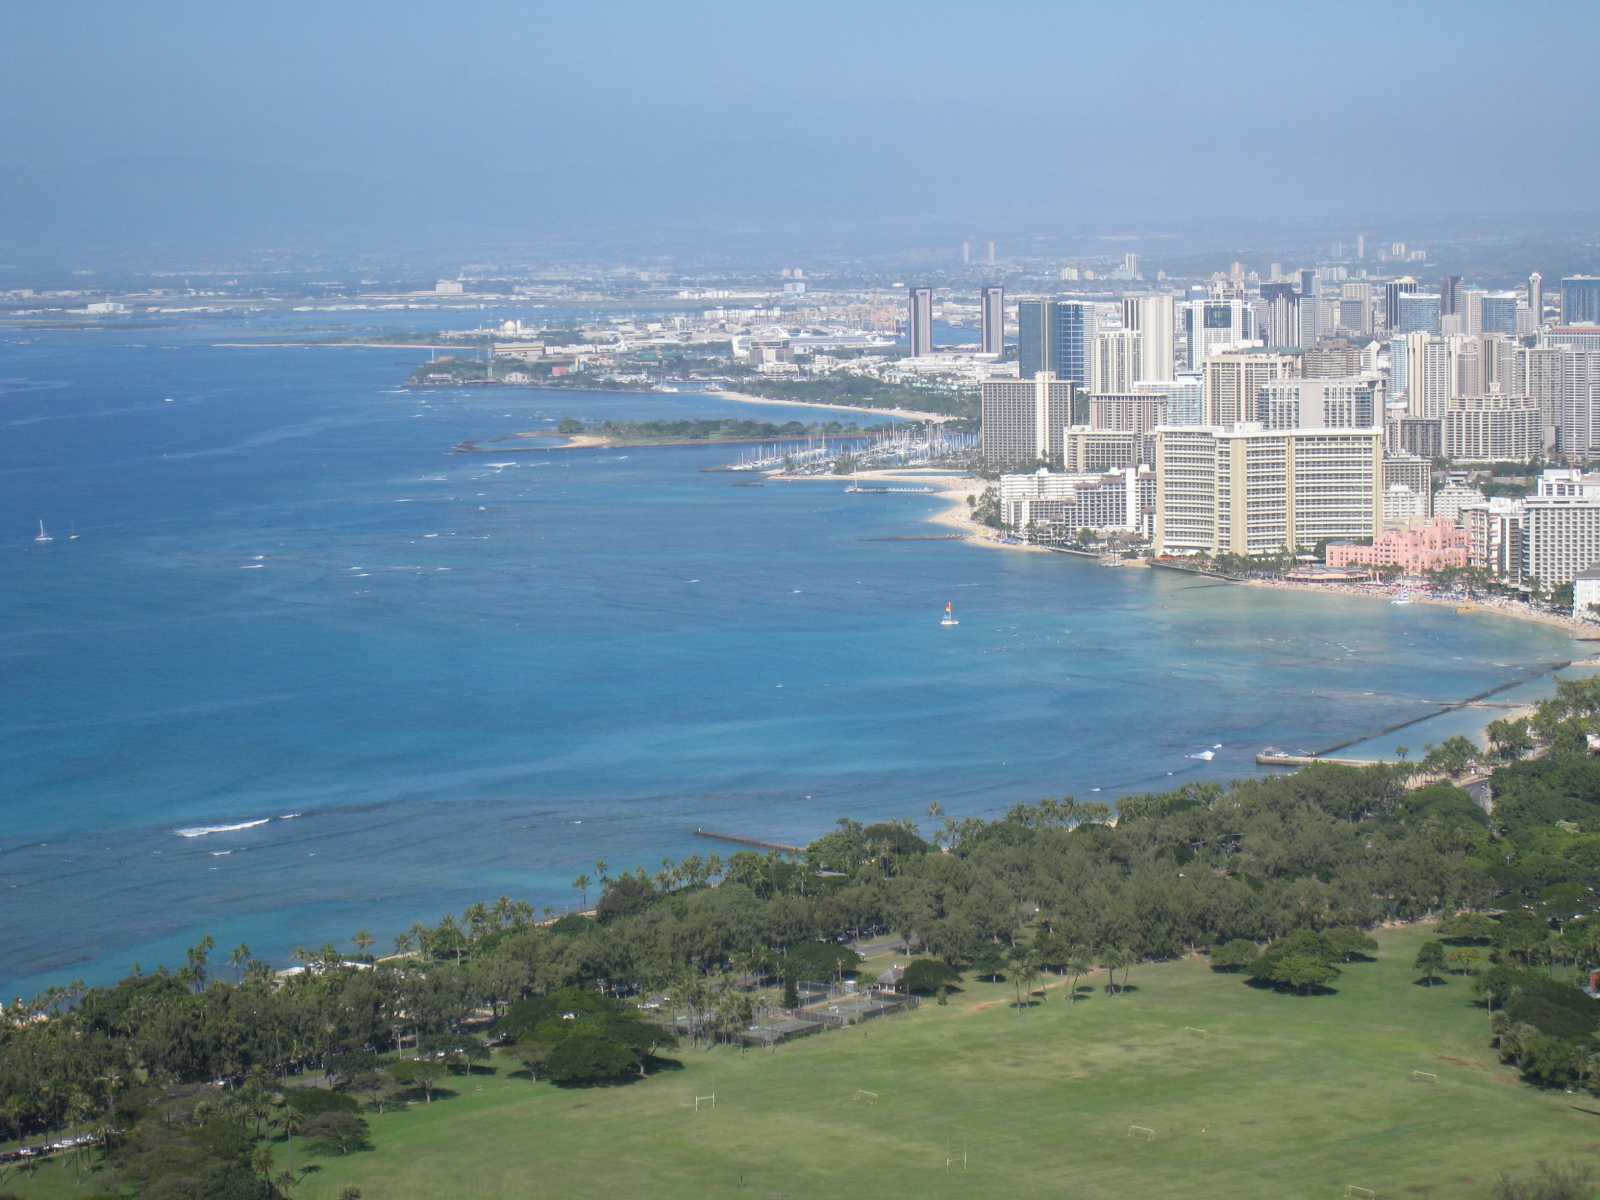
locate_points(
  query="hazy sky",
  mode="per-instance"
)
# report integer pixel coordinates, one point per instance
(346, 121)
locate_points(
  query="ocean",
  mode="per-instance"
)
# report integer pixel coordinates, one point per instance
(303, 671)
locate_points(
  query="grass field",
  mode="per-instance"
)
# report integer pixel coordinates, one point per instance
(1284, 1097)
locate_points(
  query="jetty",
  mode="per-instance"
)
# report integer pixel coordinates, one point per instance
(744, 841)
(1272, 757)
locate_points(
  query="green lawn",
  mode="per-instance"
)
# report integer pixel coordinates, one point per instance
(1286, 1097)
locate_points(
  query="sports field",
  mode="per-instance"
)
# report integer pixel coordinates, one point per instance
(1281, 1097)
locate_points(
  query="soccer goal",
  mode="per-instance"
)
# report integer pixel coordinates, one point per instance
(1139, 1131)
(865, 1097)
(708, 1101)
(1352, 1192)
(1424, 1077)
(1203, 1034)
(951, 1156)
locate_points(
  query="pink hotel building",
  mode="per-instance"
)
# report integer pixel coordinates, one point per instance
(1430, 547)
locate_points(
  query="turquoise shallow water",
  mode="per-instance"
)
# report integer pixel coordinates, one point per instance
(467, 679)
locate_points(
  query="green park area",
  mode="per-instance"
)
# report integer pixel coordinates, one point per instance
(1190, 1083)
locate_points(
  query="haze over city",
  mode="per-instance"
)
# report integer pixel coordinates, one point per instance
(740, 135)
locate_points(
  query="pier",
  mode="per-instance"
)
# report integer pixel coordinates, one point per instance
(1272, 757)
(744, 841)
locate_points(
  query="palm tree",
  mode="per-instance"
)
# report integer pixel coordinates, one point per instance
(447, 925)
(1025, 975)
(402, 943)
(1075, 968)
(362, 940)
(1115, 959)
(600, 870)
(290, 1121)
(239, 959)
(581, 884)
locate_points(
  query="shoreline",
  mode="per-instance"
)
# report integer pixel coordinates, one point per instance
(910, 413)
(1495, 607)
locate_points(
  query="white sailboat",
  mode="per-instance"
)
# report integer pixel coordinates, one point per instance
(43, 536)
(73, 535)
(949, 616)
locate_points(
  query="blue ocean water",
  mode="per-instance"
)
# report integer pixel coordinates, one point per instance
(423, 679)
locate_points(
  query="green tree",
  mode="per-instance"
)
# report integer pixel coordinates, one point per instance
(424, 1073)
(1303, 972)
(339, 1131)
(924, 976)
(533, 1055)
(1234, 955)
(1430, 961)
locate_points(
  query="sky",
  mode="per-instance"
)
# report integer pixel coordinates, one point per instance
(628, 125)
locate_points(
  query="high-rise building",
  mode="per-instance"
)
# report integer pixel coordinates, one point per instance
(1184, 403)
(1211, 323)
(1416, 311)
(1493, 429)
(1421, 370)
(1318, 404)
(920, 322)
(1471, 313)
(1580, 401)
(1117, 361)
(1392, 291)
(1023, 419)
(1536, 297)
(1333, 358)
(992, 307)
(1496, 529)
(1561, 538)
(1420, 436)
(1450, 296)
(1232, 380)
(1154, 319)
(1085, 449)
(1055, 336)
(1248, 490)
(1580, 300)
(1410, 471)
(1537, 375)
(1131, 413)
(1499, 314)
(1355, 307)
